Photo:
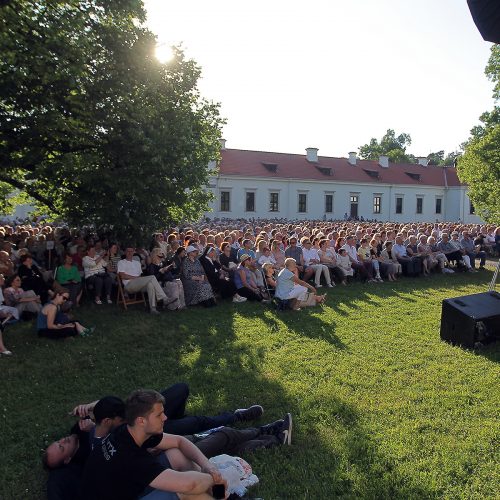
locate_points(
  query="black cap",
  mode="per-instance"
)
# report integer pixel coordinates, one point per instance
(109, 407)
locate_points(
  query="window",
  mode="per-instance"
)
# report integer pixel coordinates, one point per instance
(472, 209)
(274, 202)
(250, 201)
(399, 205)
(354, 204)
(225, 204)
(439, 202)
(328, 203)
(302, 202)
(377, 204)
(420, 205)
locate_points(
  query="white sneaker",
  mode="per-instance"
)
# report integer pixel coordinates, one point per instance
(330, 285)
(239, 298)
(318, 286)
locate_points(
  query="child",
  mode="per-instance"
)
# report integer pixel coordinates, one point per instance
(344, 262)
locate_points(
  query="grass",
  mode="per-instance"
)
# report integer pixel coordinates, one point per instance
(382, 407)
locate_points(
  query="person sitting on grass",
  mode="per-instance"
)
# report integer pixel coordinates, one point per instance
(365, 255)
(290, 287)
(6, 311)
(244, 280)
(269, 276)
(51, 323)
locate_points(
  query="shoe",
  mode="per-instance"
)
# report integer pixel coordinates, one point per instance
(318, 286)
(272, 429)
(238, 299)
(246, 414)
(88, 331)
(330, 285)
(380, 280)
(154, 311)
(6, 353)
(266, 301)
(285, 436)
(98, 302)
(109, 301)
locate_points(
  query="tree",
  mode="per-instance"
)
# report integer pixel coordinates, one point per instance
(92, 125)
(391, 146)
(479, 167)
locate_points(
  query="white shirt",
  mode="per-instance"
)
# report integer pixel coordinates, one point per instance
(399, 251)
(351, 252)
(309, 255)
(91, 267)
(130, 267)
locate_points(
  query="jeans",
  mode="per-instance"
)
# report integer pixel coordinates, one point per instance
(474, 255)
(178, 423)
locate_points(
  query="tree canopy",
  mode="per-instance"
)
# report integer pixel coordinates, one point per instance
(390, 145)
(92, 125)
(479, 166)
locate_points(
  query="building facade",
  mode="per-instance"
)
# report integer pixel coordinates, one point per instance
(258, 184)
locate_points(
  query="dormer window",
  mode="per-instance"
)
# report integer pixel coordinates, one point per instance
(415, 177)
(325, 170)
(272, 167)
(372, 173)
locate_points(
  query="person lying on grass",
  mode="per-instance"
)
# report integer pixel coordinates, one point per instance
(109, 413)
(290, 287)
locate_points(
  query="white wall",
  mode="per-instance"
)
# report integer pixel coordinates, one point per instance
(453, 199)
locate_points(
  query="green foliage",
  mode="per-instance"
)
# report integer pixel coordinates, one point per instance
(492, 70)
(479, 167)
(92, 125)
(382, 408)
(390, 145)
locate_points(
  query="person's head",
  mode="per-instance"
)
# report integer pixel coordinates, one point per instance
(413, 239)
(290, 264)
(60, 297)
(350, 240)
(247, 243)
(26, 259)
(129, 253)
(68, 259)
(422, 239)
(13, 281)
(454, 235)
(226, 248)
(268, 269)
(210, 252)
(323, 244)
(192, 252)
(60, 452)
(399, 239)
(445, 237)
(245, 260)
(364, 242)
(293, 241)
(109, 411)
(388, 245)
(91, 251)
(113, 249)
(306, 242)
(431, 240)
(144, 410)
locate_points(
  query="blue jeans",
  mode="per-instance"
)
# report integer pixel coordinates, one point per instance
(474, 255)
(152, 494)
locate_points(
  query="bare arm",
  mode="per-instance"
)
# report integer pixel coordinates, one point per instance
(191, 483)
(84, 410)
(303, 283)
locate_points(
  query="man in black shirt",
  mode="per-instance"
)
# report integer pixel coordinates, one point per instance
(123, 467)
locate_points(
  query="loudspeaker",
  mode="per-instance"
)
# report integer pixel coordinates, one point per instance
(470, 319)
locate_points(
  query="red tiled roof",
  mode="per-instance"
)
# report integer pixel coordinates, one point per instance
(246, 163)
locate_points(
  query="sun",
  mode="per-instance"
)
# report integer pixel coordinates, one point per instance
(164, 53)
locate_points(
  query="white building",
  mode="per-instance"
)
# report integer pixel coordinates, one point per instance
(258, 184)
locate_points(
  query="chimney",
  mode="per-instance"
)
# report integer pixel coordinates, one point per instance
(383, 161)
(312, 155)
(422, 160)
(222, 144)
(352, 158)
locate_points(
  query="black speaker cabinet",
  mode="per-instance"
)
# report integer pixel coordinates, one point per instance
(471, 318)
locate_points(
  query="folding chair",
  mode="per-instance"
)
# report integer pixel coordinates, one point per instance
(127, 300)
(270, 291)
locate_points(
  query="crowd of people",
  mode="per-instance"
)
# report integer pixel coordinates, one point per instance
(45, 270)
(147, 447)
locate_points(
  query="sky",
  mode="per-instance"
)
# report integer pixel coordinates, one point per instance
(332, 74)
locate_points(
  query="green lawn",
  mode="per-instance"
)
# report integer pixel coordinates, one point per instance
(382, 407)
